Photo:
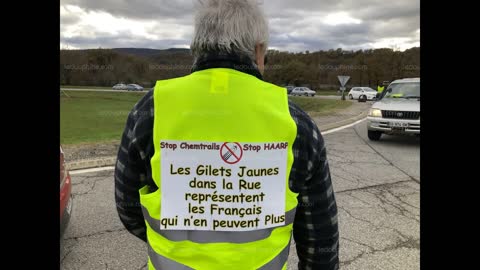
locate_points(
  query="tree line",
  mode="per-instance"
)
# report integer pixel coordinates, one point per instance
(317, 70)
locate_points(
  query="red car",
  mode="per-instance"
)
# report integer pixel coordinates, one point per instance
(65, 194)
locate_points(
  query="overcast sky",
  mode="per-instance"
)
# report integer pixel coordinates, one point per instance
(295, 25)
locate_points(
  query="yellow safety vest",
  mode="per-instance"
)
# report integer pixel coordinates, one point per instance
(219, 105)
(380, 89)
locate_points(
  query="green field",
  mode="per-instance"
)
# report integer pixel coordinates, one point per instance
(319, 107)
(91, 117)
(94, 116)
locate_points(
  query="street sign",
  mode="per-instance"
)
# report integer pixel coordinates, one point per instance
(343, 80)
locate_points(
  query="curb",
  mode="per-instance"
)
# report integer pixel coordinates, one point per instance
(91, 163)
(110, 161)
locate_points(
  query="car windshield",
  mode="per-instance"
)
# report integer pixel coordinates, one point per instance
(403, 90)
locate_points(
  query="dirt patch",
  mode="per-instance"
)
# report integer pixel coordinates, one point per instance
(90, 150)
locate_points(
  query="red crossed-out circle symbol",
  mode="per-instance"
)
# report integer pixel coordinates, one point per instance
(231, 152)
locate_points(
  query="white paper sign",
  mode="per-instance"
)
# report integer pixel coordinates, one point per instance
(219, 186)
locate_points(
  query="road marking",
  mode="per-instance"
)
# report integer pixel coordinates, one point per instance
(112, 167)
(92, 170)
(343, 127)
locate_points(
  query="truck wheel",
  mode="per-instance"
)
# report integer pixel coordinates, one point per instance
(374, 135)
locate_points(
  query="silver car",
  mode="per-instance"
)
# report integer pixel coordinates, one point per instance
(397, 111)
(302, 91)
(134, 87)
(120, 86)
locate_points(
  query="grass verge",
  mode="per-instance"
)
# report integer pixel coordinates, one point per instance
(88, 117)
(318, 106)
(93, 117)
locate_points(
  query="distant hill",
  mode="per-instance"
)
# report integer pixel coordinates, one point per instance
(317, 69)
(106, 67)
(149, 53)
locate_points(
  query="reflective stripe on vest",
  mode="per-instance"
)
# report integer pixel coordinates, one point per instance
(219, 105)
(160, 262)
(279, 261)
(211, 236)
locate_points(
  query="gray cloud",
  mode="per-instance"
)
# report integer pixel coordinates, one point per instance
(138, 9)
(125, 39)
(295, 25)
(317, 36)
(399, 27)
(68, 20)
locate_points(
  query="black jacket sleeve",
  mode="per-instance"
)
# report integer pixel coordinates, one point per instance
(315, 228)
(132, 169)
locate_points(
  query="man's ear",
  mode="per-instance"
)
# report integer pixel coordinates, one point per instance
(260, 56)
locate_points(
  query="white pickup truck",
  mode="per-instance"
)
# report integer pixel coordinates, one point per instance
(397, 111)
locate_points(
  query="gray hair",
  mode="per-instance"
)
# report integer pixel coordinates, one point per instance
(232, 26)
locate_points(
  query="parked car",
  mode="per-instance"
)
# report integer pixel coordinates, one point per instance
(302, 91)
(120, 86)
(65, 194)
(397, 111)
(289, 89)
(357, 92)
(134, 87)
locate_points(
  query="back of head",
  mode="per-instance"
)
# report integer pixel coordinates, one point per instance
(229, 26)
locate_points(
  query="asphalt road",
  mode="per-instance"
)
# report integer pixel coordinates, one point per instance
(376, 185)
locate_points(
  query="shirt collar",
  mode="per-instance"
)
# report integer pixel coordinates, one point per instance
(226, 60)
